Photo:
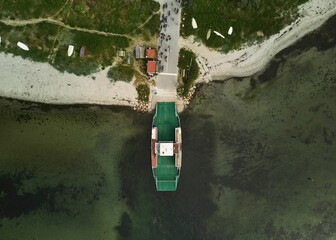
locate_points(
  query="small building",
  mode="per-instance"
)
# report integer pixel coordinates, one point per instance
(121, 53)
(150, 53)
(139, 52)
(129, 58)
(151, 67)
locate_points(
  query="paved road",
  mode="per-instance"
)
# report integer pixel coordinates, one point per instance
(168, 51)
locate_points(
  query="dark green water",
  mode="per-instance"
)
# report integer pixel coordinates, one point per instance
(258, 163)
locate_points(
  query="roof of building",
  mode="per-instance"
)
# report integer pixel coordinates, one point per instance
(139, 52)
(151, 67)
(150, 53)
(121, 53)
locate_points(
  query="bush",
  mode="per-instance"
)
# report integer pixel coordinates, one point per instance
(143, 92)
(77, 65)
(121, 73)
(187, 61)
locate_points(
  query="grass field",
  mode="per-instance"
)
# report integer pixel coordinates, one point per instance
(118, 16)
(252, 20)
(104, 27)
(26, 9)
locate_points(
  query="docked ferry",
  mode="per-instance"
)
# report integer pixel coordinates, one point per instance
(166, 146)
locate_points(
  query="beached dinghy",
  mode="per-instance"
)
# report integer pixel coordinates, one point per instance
(208, 34)
(82, 52)
(218, 34)
(194, 23)
(70, 50)
(230, 30)
(22, 46)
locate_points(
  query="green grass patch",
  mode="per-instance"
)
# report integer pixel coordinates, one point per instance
(121, 73)
(153, 25)
(117, 16)
(143, 92)
(187, 62)
(250, 20)
(79, 66)
(26, 9)
(150, 29)
(103, 49)
(39, 38)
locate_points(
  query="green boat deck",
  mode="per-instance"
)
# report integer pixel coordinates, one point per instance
(166, 120)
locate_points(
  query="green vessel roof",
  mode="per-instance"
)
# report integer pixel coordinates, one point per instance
(166, 120)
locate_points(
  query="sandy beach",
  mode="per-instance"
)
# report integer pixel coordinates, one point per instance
(252, 59)
(39, 82)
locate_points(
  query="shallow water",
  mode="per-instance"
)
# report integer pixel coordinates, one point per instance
(59, 170)
(258, 162)
(274, 159)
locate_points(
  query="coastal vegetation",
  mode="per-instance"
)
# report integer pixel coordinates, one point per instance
(103, 27)
(121, 73)
(29, 8)
(117, 16)
(252, 20)
(189, 71)
(143, 92)
(77, 65)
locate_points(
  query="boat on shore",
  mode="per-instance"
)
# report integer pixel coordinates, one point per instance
(166, 146)
(82, 52)
(194, 23)
(70, 50)
(219, 34)
(22, 46)
(230, 30)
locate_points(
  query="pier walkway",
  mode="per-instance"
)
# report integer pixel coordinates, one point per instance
(168, 53)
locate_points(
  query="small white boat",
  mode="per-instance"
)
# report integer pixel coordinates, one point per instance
(194, 23)
(70, 50)
(208, 34)
(22, 46)
(218, 34)
(230, 30)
